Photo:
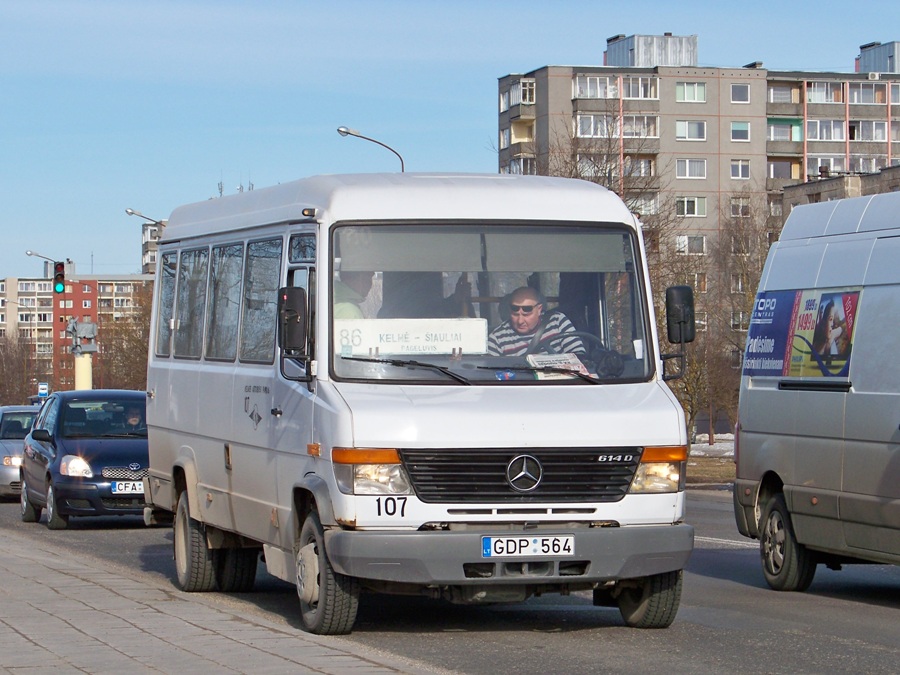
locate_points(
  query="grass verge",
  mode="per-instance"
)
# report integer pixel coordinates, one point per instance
(710, 470)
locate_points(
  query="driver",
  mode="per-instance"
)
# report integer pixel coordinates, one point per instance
(531, 330)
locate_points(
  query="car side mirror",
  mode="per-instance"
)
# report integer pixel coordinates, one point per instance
(42, 435)
(680, 324)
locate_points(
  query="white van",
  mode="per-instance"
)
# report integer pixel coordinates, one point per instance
(818, 448)
(446, 385)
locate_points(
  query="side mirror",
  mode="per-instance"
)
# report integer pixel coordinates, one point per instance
(680, 314)
(42, 435)
(292, 319)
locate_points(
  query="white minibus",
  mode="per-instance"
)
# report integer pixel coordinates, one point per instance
(441, 385)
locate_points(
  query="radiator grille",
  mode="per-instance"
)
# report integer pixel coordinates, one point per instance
(480, 475)
(123, 473)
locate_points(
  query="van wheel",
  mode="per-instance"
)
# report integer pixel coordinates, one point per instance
(328, 599)
(653, 603)
(30, 512)
(194, 566)
(787, 564)
(235, 569)
(55, 520)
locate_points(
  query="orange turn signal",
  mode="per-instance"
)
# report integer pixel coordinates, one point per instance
(665, 453)
(365, 456)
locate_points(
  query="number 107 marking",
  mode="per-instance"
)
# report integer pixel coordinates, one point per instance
(391, 506)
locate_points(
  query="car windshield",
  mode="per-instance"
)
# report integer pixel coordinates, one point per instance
(458, 303)
(99, 418)
(15, 425)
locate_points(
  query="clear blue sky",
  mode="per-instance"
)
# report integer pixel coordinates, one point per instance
(109, 104)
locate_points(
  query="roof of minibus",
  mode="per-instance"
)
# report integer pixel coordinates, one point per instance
(403, 196)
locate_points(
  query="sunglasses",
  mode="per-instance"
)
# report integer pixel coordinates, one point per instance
(521, 309)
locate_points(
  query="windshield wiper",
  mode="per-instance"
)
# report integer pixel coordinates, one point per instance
(546, 369)
(400, 363)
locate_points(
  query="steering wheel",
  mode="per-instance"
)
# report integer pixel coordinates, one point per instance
(606, 362)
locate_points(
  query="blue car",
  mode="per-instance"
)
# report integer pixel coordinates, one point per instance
(86, 455)
(15, 421)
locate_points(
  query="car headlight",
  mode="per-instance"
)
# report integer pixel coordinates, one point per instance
(369, 472)
(73, 465)
(661, 470)
(12, 461)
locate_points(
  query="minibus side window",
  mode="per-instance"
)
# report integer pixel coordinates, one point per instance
(224, 302)
(190, 308)
(260, 301)
(166, 303)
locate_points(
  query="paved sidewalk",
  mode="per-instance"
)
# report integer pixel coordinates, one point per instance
(66, 615)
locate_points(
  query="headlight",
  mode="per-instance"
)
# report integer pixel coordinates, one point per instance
(73, 465)
(12, 461)
(369, 472)
(661, 470)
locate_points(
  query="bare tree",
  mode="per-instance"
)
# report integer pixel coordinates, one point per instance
(17, 364)
(123, 344)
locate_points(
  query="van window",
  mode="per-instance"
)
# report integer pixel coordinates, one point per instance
(258, 322)
(190, 308)
(224, 302)
(442, 293)
(166, 305)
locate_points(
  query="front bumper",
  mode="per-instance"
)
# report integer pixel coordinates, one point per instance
(454, 558)
(10, 485)
(95, 499)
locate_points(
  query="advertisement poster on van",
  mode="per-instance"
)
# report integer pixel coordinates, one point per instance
(805, 333)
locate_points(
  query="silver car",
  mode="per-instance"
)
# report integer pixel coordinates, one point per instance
(15, 421)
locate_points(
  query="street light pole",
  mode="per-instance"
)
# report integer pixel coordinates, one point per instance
(345, 131)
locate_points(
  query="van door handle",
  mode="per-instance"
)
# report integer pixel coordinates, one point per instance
(276, 412)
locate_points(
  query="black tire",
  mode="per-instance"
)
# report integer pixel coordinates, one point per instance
(55, 520)
(236, 569)
(787, 564)
(194, 564)
(328, 600)
(653, 603)
(30, 512)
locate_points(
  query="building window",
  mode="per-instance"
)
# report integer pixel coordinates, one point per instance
(690, 168)
(528, 92)
(690, 130)
(86, 289)
(593, 86)
(780, 93)
(639, 87)
(596, 126)
(779, 168)
(690, 92)
(867, 92)
(824, 92)
(739, 283)
(740, 93)
(737, 359)
(740, 244)
(525, 166)
(867, 130)
(740, 169)
(639, 167)
(698, 281)
(740, 320)
(504, 101)
(65, 304)
(640, 126)
(26, 287)
(740, 207)
(740, 131)
(825, 130)
(701, 321)
(817, 164)
(651, 241)
(780, 131)
(775, 207)
(690, 244)
(690, 207)
(643, 204)
(867, 163)
(85, 304)
(504, 138)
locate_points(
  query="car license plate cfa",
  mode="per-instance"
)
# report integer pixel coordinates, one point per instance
(128, 487)
(545, 546)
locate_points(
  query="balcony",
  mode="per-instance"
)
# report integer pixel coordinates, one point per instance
(521, 111)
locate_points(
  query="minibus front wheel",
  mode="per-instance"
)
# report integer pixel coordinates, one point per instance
(328, 599)
(787, 564)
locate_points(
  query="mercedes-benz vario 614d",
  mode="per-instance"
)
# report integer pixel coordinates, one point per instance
(818, 447)
(445, 385)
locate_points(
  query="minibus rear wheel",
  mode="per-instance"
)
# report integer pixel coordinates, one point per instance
(787, 564)
(328, 599)
(194, 564)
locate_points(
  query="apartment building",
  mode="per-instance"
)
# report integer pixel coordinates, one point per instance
(38, 317)
(700, 145)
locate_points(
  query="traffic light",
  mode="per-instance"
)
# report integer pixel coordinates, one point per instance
(59, 277)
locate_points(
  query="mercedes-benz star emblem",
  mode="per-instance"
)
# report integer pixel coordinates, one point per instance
(524, 473)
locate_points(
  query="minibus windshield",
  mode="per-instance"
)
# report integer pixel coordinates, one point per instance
(461, 303)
